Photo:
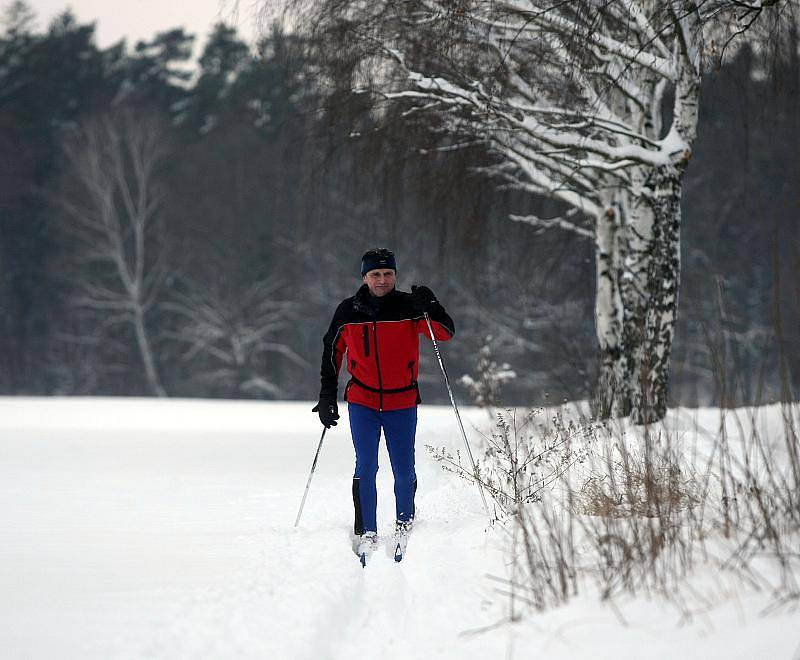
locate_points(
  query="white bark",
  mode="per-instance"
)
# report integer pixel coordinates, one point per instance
(609, 311)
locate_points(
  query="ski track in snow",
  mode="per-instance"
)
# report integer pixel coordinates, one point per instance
(164, 529)
(168, 528)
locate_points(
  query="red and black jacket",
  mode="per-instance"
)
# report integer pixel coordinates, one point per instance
(381, 339)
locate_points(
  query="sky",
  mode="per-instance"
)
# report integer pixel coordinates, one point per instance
(141, 19)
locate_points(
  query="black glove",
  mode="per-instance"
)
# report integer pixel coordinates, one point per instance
(328, 412)
(423, 299)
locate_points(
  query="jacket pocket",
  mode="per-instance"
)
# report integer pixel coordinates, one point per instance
(366, 341)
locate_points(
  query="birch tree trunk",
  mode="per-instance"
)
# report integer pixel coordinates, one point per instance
(649, 294)
(608, 310)
(147, 354)
(634, 366)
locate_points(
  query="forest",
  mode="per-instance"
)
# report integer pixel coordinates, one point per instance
(185, 228)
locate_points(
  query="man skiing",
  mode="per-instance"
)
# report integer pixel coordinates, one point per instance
(378, 328)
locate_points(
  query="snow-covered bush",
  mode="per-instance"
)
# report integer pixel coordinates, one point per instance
(486, 383)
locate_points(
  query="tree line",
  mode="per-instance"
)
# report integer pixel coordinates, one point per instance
(169, 230)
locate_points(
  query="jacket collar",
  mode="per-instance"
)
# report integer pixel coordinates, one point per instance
(365, 302)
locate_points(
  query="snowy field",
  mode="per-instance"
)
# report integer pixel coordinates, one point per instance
(164, 529)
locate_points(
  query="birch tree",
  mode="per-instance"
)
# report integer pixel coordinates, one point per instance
(592, 104)
(111, 211)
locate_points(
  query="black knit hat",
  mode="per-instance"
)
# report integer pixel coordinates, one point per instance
(377, 258)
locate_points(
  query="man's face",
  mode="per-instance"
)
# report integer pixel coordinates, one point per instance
(380, 281)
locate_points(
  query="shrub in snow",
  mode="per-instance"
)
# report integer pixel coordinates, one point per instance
(486, 383)
(524, 454)
(637, 484)
(620, 509)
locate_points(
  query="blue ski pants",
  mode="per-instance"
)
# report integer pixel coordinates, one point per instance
(399, 429)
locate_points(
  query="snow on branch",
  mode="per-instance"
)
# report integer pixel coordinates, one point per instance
(450, 93)
(569, 94)
(553, 223)
(557, 22)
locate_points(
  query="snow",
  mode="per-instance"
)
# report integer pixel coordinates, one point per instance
(136, 528)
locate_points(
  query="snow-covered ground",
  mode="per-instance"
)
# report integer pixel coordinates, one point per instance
(135, 528)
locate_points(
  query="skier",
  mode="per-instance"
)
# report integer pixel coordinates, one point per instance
(379, 329)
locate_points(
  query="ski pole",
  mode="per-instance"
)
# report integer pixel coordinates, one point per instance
(308, 484)
(458, 415)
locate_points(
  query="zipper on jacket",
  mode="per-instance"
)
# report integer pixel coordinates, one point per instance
(366, 341)
(378, 365)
